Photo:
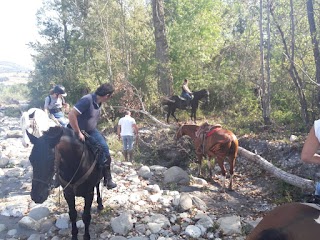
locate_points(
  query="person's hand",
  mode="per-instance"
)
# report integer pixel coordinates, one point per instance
(81, 137)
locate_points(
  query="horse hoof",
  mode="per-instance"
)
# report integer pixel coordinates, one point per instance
(100, 207)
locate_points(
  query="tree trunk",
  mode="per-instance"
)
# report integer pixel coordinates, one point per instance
(292, 68)
(264, 85)
(165, 81)
(305, 184)
(315, 43)
(266, 115)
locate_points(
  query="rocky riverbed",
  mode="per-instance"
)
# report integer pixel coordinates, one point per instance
(150, 202)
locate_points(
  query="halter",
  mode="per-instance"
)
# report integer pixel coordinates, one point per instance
(41, 181)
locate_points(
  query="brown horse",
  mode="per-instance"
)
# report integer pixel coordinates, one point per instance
(291, 221)
(214, 142)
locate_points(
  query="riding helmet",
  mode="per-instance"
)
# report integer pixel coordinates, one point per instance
(59, 89)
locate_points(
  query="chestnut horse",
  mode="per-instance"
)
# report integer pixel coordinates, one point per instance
(214, 142)
(59, 149)
(291, 221)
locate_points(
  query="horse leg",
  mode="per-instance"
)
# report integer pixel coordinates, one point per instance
(223, 171)
(174, 116)
(99, 199)
(168, 115)
(199, 156)
(232, 162)
(209, 167)
(193, 115)
(70, 198)
(86, 216)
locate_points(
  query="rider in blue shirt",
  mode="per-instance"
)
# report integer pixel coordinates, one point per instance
(84, 116)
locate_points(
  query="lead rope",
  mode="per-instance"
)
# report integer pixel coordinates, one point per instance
(77, 169)
(58, 156)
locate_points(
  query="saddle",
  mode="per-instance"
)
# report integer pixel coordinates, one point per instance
(94, 147)
(205, 131)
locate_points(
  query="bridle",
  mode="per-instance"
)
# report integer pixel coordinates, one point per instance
(41, 181)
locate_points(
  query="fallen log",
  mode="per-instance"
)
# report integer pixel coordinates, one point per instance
(304, 184)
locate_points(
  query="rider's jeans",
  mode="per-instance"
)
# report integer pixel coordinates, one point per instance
(61, 118)
(317, 191)
(101, 140)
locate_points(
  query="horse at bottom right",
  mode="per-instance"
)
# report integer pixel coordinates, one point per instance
(291, 221)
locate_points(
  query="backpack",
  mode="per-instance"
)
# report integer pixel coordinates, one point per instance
(62, 98)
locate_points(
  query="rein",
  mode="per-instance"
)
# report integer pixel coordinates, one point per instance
(41, 181)
(75, 185)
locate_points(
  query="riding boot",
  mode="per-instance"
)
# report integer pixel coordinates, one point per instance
(130, 155)
(107, 175)
(125, 154)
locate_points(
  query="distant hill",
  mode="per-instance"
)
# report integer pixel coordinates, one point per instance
(10, 67)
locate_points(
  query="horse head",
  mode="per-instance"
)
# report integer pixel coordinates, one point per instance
(186, 129)
(42, 159)
(35, 121)
(205, 94)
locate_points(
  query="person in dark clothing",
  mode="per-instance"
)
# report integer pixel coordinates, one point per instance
(84, 116)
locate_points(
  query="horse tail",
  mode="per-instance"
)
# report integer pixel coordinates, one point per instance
(166, 101)
(234, 145)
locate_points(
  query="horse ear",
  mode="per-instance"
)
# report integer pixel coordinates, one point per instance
(32, 138)
(54, 139)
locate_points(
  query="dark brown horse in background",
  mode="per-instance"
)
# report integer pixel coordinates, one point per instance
(213, 141)
(176, 101)
(291, 221)
(59, 150)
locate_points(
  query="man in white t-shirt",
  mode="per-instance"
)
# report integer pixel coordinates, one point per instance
(127, 129)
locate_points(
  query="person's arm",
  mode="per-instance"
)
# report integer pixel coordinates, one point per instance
(135, 128)
(309, 151)
(186, 88)
(45, 107)
(65, 105)
(119, 131)
(73, 121)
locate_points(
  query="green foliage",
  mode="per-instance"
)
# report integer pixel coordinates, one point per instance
(12, 112)
(288, 192)
(13, 92)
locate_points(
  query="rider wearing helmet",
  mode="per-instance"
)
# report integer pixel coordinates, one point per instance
(54, 103)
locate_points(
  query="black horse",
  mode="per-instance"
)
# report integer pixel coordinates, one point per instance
(175, 102)
(59, 151)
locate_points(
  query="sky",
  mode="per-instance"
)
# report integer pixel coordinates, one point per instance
(17, 28)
